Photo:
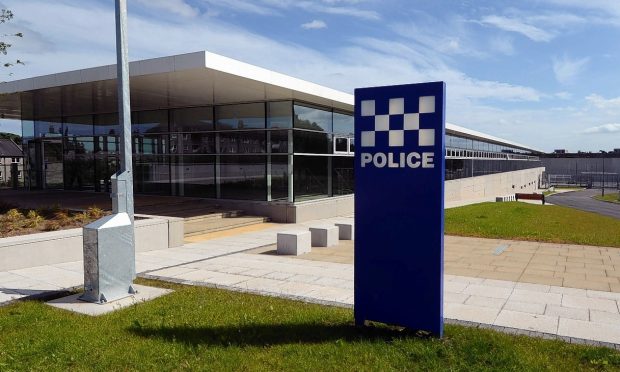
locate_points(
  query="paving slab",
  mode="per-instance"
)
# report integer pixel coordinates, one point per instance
(72, 303)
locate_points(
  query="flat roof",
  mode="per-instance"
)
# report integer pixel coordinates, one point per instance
(192, 79)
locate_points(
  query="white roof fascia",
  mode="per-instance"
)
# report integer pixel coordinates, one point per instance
(486, 137)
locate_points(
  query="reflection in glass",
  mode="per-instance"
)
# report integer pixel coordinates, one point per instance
(312, 119)
(280, 114)
(243, 177)
(279, 177)
(250, 142)
(343, 124)
(145, 122)
(192, 143)
(107, 124)
(310, 177)
(48, 128)
(311, 142)
(151, 174)
(279, 141)
(342, 175)
(244, 116)
(78, 126)
(196, 119)
(78, 163)
(193, 175)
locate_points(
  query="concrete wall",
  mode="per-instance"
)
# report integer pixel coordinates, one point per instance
(490, 186)
(66, 245)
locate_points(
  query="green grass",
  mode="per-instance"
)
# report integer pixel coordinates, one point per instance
(198, 328)
(521, 221)
(612, 198)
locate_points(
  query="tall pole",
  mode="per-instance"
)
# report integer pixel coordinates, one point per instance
(124, 108)
(603, 189)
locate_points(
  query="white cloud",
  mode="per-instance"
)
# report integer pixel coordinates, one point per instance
(177, 7)
(605, 128)
(519, 26)
(314, 25)
(481, 104)
(601, 102)
(566, 70)
(274, 7)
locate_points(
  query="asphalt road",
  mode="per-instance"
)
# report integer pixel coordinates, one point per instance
(583, 200)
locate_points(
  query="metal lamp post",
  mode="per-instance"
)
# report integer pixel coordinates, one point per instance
(109, 246)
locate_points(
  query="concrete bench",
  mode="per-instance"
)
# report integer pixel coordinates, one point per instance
(345, 230)
(533, 196)
(324, 236)
(294, 242)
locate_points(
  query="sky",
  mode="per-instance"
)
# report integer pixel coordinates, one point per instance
(539, 72)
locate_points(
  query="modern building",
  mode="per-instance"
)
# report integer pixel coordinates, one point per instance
(11, 163)
(585, 169)
(208, 126)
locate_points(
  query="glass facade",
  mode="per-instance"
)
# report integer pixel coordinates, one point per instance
(263, 151)
(467, 157)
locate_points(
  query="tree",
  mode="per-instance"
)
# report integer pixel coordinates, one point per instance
(5, 16)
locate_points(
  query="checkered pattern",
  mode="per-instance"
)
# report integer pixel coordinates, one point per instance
(411, 122)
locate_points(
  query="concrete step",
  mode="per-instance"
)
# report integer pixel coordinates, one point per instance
(207, 217)
(205, 225)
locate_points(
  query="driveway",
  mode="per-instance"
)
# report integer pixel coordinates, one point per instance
(583, 200)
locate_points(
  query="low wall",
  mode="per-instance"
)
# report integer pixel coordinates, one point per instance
(493, 185)
(66, 245)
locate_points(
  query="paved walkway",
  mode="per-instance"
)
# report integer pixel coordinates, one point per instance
(239, 263)
(583, 200)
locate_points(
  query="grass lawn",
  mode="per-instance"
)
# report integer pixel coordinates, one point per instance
(521, 221)
(612, 198)
(207, 329)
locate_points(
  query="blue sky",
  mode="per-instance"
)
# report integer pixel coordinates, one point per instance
(539, 72)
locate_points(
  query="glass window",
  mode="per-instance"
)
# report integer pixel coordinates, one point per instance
(243, 177)
(78, 126)
(280, 114)
(197, 119)
(341, 144)
(193, 175)
(151, 174)
(150, 144)
(343, 124)
(144, 122)
(27, 129)
(342, 175)
(48, 128)
(279, 141)
(311, 143)
(310, 177)
(244, 116)
(240, 142)
(279, 177)
(192, 143)
(312, 119)
(107, 124)
(78, 163)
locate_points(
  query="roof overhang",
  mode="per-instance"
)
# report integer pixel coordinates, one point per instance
(194, 79)
(469, 133)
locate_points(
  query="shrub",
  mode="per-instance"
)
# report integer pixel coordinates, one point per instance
(51, 226)
(13, 215)
(33, 219)
(81, 217)
(62, 217)
(95, 212)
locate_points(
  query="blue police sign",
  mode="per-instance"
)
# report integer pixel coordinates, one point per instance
(399, 197)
